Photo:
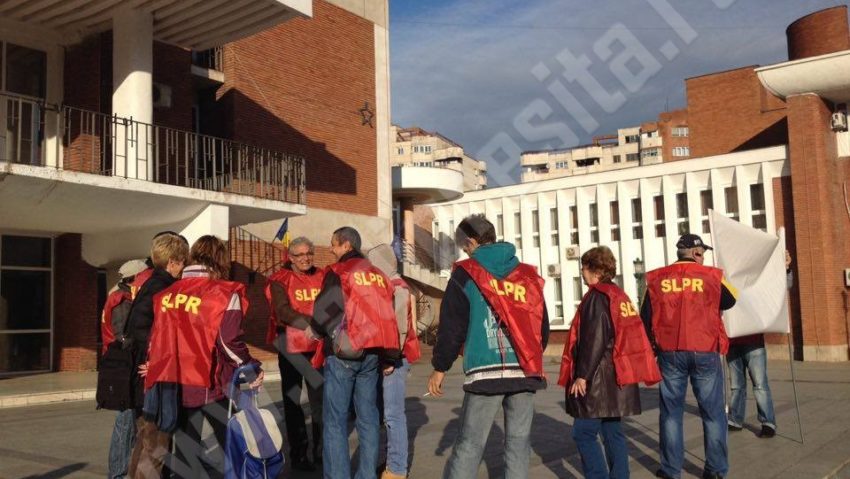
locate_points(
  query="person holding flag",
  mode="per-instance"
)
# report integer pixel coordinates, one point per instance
(494, 310)
(291, 293)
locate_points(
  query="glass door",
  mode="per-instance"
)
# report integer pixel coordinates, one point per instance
(26, 296)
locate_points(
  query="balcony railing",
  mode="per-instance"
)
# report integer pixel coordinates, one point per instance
(212, 58)
(70, 138)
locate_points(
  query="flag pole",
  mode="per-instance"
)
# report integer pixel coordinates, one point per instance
(794, 386)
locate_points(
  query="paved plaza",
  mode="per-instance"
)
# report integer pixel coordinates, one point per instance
(70, 439)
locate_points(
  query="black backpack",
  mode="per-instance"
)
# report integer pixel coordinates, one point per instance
(114, 378)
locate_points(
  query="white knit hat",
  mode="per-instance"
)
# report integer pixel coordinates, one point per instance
(132, 268)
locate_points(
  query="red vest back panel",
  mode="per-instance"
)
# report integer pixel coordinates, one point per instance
(302, 290)
(369, 313)
(187, 317)
(139, 281)
(411, 349)
(517, 301)
(685, 301)
(634, 361)
(107, 335)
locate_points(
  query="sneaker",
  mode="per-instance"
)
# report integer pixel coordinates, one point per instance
(767, 431)
(734, 427)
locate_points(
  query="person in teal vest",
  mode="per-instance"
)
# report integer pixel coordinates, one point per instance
(495, 372)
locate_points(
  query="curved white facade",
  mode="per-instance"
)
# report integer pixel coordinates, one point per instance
(825, 75)
(427, 184)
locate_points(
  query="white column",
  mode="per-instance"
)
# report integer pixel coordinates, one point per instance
(382, 117)
(213, 220)
(132, 95)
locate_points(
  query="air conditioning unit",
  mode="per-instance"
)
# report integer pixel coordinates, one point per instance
(839, 121)
(572, 252)
(554, 270)
(161, 96)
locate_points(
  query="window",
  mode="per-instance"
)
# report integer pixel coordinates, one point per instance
(706, 203)
(681, 151)
(577, 293)
(658, 206)
(680, 131)
(594, 223)
(535, 229)
(559, 304)
(518, 230)
(650, 134)
(649, 153)
(731, 194)
(615, 220)
(637, 219)
(632, 157)
(587, 162)
(682, 213)
(632, 138)
(573, 224)
(561, 165)
(500, 227)
(26, 276)
(400, 150)
(553, 225)
(758, 207)
(422, 149)
(618, 158)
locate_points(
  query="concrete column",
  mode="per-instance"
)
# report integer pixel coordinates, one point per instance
(822, 227)
(132, 95)
(408, 226)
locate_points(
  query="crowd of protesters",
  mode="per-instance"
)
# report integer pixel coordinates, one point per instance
(346, 333)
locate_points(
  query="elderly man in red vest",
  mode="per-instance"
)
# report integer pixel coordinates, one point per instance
(354, 314)
(681, 312)
(291, 293)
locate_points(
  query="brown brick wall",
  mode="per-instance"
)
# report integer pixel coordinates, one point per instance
(76, 323)
(821, 220)
(819, 33)
(666, 122)
(298, 88)
(731, 111)
(171, 67)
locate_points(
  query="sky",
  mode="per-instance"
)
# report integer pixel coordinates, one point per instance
(505, 76)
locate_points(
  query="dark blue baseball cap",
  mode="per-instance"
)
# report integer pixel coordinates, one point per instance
(689, 240)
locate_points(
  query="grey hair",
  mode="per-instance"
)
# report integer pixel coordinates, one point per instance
(685, 253)
(298, 242)
(347, 233)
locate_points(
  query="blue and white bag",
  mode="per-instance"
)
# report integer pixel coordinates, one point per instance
(254, 447)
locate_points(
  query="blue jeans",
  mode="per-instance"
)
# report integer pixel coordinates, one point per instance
(121, 444)
(478, 414)
(706, 376)
(585, 432)
(394, 394)
(345, 380)
(750, 358)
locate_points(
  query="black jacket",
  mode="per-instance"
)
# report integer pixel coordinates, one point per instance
(141, 322)
(594, 362)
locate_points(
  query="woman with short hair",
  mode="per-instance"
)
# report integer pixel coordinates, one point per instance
(607, 354)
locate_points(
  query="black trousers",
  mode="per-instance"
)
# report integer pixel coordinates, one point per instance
(292, 372)
(188, 445)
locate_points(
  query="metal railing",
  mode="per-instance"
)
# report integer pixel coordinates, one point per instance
(70, 138)
(212, 58)
(420, 256)
(254, 253)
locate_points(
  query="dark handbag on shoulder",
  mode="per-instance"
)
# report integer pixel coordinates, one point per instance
(114, 377)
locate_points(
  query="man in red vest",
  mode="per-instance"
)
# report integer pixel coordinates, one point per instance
(493, 310)
(116, 309)
(291, 293)
(394, 385)
(681, 311)
(355, 316)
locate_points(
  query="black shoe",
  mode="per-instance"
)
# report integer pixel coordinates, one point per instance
(302, 464)
(734, 428)
(766, 431)
(662, 474)
(711, 475)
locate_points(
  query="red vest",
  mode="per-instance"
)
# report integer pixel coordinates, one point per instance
(369, 313)
(411, 348)
(302, 290)
(634, 361)
(187, 318)
(115, 298)
(685, 300)
(139, 281)
(517, 302)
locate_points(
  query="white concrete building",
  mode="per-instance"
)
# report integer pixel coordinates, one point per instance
(417, 147)
(639, 213)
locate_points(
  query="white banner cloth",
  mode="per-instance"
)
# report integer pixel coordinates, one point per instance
(754, 263)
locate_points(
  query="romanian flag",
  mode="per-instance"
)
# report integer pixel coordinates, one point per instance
(283, 236)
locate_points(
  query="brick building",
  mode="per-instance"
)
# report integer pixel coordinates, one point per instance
(195, 117)
(768, 146)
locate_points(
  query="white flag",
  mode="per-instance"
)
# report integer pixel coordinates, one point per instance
(754, 263)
